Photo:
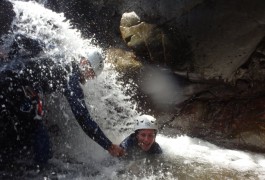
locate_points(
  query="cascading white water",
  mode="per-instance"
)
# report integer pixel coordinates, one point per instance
(184, 157)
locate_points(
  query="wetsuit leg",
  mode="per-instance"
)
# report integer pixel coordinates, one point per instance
(41, 143)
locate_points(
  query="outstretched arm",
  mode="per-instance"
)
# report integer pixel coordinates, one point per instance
(75, 97)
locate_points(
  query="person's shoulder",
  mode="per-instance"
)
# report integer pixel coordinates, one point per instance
(128, 142)
(130, 137)
(155, 149)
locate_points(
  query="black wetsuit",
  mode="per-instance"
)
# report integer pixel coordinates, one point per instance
(45, 74)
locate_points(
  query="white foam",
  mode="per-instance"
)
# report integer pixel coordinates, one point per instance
(194, 149)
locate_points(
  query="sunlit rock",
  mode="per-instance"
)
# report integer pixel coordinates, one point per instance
(160, 43)
(135, 33)
(130, 19)
(123, 60)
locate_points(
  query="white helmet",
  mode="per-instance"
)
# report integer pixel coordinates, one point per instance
(95, 58)
(145, 122)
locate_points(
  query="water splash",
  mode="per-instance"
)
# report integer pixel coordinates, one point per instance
(197, 150)
(63, 43)
(105, 96)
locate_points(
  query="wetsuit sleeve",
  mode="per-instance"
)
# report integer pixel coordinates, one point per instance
(75, 96)
(128, 142)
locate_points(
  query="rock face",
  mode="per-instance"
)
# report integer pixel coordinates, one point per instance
(161, 44)
(231, 123)
(213, 38)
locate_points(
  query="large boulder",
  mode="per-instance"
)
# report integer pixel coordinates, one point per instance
(161, 44)
(214, 37)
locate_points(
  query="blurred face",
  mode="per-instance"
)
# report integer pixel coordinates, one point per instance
(86, 70)
(146, 138)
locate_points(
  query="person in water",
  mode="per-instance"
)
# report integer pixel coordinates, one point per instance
(143, 140)
(22, 101)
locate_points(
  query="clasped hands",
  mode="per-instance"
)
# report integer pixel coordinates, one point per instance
(116, 150)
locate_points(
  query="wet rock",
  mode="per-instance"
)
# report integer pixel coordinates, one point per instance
(254, 69)
(156, 42)
(97, 19)
(123, 60)
(209, 30)
(236, 124)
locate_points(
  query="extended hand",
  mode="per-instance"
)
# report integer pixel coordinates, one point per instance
(116, 150)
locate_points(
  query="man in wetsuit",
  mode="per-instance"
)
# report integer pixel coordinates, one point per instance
(21, 120)
(21, 100)
(142, 141)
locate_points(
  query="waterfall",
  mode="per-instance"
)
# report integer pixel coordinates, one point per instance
(79, 157)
